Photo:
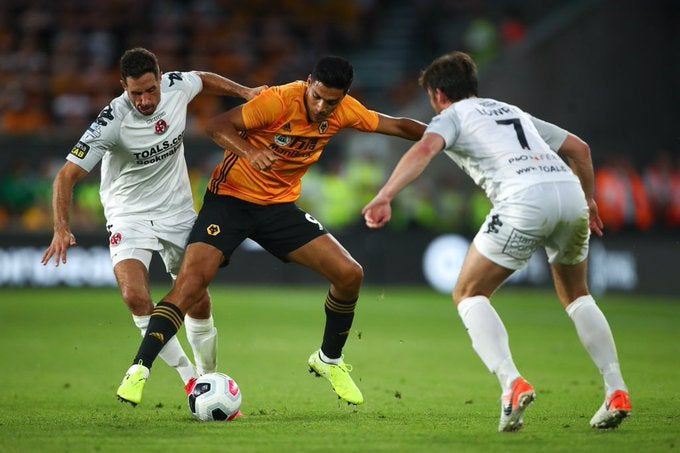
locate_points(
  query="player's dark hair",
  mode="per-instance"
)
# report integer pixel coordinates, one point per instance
(455, 74)
(137, 62)
(334, 72)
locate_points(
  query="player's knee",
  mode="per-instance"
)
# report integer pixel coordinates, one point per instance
(189, 290)
(138, 301)
(351, 277)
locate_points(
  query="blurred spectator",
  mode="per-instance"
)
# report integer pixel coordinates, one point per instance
(513, 28)
(480, 40)
(662, 181)
(57, 71)
(621, 195)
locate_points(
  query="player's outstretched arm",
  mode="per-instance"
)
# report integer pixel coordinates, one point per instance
(225, 129)
(221, 86)
(400, 127)
(578, 156)
(62, 194)
(412, 164)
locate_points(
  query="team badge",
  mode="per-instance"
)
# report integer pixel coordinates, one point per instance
(116, 239)
(213, 230)
(161, 127)
(282, 140)
(323, 127)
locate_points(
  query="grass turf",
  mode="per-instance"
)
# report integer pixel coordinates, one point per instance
(65, 351)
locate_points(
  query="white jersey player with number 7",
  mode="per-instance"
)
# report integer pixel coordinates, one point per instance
(145, 191)
(539, 200)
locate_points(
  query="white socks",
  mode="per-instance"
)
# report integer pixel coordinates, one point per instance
(172, 353)
(489, 339)
(596, 336)
(324, 358)
(202, 336)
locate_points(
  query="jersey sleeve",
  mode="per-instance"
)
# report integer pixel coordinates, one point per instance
(354, 115)
(263, 110)
(446, 125)
(97, 140)
(188, 82)
(553, 135)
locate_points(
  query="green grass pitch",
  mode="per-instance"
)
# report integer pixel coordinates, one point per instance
(64, 352)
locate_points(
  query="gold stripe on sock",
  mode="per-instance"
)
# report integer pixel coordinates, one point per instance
(339, 307)
(170, 312)
(170, 317)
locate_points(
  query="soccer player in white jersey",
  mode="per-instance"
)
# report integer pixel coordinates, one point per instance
(538, 201)
(145, 191)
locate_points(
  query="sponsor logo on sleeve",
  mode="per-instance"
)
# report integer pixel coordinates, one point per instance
(80, 150)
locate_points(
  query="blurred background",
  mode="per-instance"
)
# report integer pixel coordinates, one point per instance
(607, 70)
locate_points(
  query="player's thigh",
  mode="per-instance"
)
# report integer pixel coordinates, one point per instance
(199, 267)
(328, 257)
(479, 276)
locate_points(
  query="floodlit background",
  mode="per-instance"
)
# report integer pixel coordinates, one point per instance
(605, 70)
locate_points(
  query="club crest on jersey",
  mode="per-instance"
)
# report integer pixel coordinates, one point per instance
(323, 127)
(116, 239)
(213, 230)
(282, 140)
(161, 127)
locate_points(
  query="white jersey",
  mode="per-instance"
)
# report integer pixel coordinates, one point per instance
(502, 148)
(144, 175)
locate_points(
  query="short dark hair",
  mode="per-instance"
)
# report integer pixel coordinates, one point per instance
(334, 72)
(137, 62)
(455, 74)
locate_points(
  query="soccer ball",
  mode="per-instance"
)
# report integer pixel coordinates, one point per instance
(215, 397)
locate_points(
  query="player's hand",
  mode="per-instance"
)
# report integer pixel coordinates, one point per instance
(596, 224)
(255, 91)
(61, 241)
(262, 159)
(377, 213)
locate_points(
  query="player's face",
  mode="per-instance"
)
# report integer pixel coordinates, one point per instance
(321, 101)
(144, 92)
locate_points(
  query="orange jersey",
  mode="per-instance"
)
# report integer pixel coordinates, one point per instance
(277, 119)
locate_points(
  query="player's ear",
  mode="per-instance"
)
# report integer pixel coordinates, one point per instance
(123, 84)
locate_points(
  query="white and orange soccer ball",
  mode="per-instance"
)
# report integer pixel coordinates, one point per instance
(215, 397)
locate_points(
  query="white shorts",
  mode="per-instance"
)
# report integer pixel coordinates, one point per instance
(138, 239)
(550, 215)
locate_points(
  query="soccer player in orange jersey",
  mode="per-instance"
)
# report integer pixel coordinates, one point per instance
(269, 143)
